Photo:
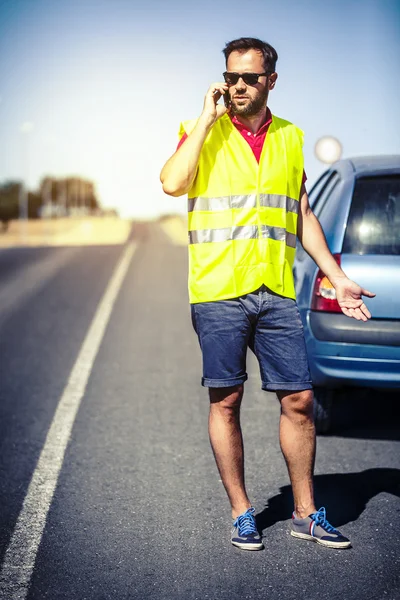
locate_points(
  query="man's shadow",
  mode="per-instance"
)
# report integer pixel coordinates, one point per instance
(345, 496)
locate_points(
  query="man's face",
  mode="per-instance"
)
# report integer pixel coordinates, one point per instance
(249, 100)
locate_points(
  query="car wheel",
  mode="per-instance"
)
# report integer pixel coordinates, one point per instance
(322, 409)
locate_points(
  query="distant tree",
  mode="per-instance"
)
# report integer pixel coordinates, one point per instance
(34, 204)
(46, 188)
(58, 196)
(9, 202)
(92, 199)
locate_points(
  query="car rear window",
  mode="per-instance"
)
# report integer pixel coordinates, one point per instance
(373, 226)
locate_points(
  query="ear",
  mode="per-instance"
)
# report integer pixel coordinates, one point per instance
(272, 80)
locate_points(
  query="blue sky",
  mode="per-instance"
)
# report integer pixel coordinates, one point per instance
(105, 83)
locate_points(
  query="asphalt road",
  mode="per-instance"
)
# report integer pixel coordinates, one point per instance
(139, 511)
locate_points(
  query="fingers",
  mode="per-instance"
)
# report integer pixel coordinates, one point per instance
(367, 293)
(216, 90)
(218, 85)
(360, 313)
(354, 313)
(211, 108)
(365, 311)
(351, 303)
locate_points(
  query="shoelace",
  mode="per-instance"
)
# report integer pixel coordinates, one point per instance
(320, 519)
(246, 523)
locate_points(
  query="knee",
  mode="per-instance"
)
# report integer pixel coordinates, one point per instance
(297, 405)
(226, 399)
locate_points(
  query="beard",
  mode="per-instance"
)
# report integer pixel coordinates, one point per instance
(252, 107)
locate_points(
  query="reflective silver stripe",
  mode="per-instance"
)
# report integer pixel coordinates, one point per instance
(242, 201)
(275, 233)
(279, 234)
(209, 204)
(291, 239)
(292, 205)
(222, 203)
(201, 236)
(278, 201)
(248, 232)
(245, 201)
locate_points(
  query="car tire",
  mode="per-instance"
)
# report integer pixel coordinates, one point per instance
(322, 409)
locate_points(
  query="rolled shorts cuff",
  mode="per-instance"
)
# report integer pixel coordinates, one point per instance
(222, 383)
(295, 386)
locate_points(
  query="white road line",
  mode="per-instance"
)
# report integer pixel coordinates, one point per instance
(21, 553)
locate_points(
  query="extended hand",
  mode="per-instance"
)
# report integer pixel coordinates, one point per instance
(348, 294)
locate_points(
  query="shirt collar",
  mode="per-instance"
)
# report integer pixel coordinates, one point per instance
(263, 127)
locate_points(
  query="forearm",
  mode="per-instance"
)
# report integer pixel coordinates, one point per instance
(180, 170)
(311, 236)
(313, 240)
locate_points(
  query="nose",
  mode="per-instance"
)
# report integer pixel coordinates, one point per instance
(240, 84)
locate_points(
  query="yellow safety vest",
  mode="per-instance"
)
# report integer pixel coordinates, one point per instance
(243, 214)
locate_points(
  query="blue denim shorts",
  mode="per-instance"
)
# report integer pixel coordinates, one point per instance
(269, 324)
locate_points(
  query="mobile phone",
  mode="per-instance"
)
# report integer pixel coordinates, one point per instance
(227, 100)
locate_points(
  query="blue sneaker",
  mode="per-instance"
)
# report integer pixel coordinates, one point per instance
(244, 533)
(316, 528)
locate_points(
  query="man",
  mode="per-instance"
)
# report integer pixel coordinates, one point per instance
(242, 169)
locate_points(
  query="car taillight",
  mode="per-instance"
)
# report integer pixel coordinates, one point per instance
(324, 294)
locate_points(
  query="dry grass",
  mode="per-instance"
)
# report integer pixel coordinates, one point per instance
(87, 231)
(176, 229)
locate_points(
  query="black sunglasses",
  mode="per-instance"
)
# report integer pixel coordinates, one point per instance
(248, 78)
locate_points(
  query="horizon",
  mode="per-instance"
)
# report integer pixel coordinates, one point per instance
(99, 88)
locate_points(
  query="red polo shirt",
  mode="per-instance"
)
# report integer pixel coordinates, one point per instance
(255, 140)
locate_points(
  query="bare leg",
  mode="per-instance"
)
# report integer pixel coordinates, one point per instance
(227, 444)
(297, 438)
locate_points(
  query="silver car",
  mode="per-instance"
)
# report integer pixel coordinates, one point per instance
(357, 201)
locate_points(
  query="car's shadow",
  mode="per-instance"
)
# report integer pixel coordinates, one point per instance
(345, 496)
(366, 414)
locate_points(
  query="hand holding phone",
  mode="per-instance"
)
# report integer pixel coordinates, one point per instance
(211, 107)
(227, 100)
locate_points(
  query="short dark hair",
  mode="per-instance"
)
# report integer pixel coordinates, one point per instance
(244, 44)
